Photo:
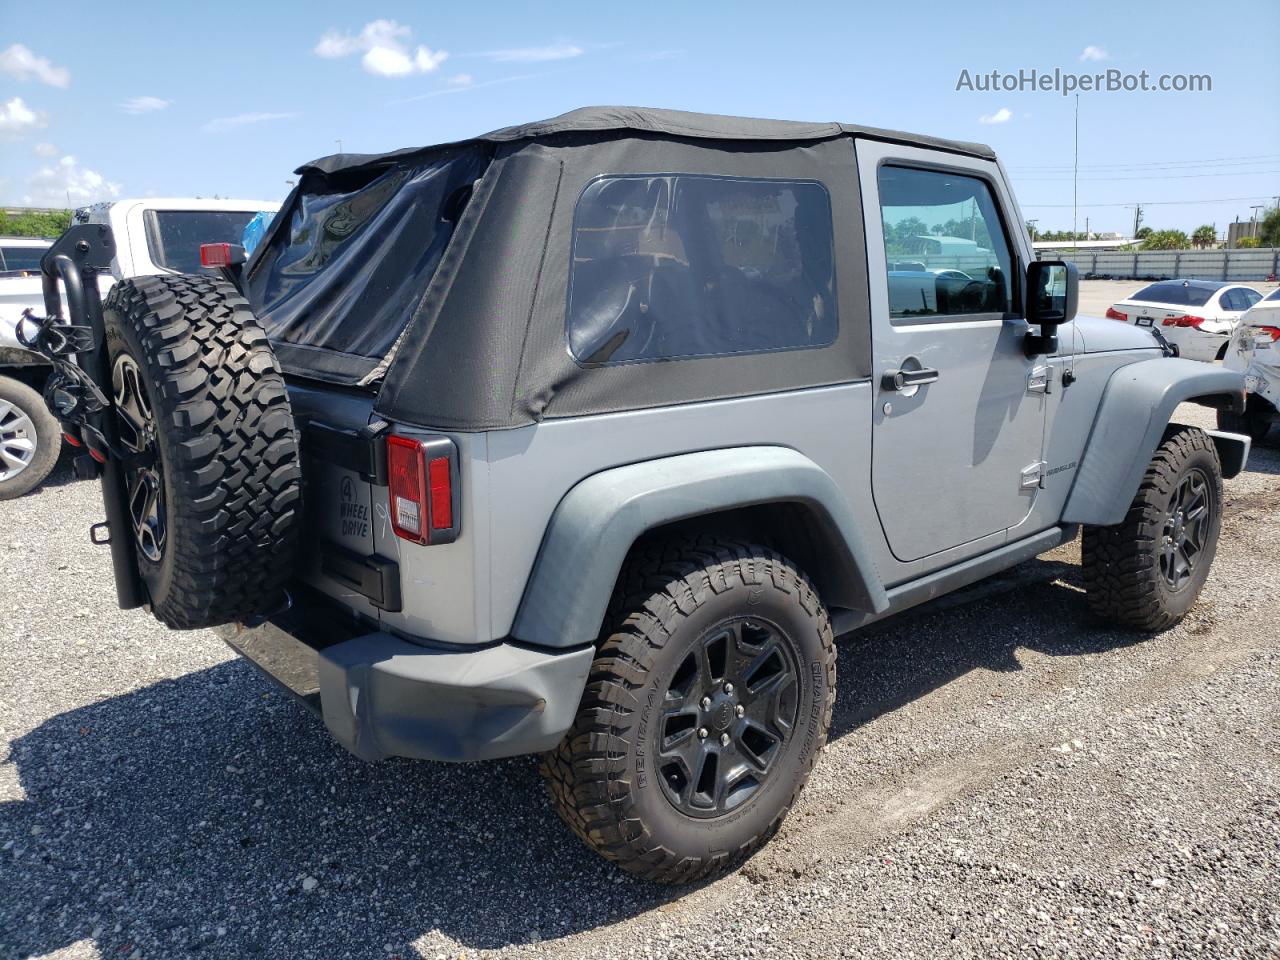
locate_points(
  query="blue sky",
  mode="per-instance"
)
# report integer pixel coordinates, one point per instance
(179, 99)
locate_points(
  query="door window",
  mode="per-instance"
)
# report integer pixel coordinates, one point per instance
(947, 253)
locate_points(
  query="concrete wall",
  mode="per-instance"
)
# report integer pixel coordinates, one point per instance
(1256, 264)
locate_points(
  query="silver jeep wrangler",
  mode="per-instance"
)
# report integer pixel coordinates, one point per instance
(586, 437)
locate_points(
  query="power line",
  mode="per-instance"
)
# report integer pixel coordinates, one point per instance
(1149, 176)
(1152, 163)
(1152, 203)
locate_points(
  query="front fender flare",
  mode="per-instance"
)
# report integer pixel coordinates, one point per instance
(598, 520)
(1136, 406)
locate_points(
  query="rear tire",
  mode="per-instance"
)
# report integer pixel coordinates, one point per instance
(30, 439)
(713, 647)
(1147, 571)
(215, 499)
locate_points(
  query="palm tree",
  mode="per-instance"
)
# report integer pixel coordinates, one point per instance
(1204, 236)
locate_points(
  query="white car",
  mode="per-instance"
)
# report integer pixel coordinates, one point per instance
(1196, 315)
(153, 236)
(21, 254)
(1255, 352)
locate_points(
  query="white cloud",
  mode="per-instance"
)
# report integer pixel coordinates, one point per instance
(385, 45)
(45, 150)
(223, 124)
(461, 80)
(555, 51)
(54, 185)
(1003, 115)
(1094, 53)
(19, 62)
(144, 104)
(17, 119)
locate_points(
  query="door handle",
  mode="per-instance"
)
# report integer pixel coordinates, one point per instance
(904, 379)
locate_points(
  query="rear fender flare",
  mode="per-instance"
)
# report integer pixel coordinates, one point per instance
(598, 520)
(1129, 425)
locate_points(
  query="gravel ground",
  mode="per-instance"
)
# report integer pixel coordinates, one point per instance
(1004, 778)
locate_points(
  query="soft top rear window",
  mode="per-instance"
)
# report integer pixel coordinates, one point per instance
(1176, 294)
(348, 261)
(174, 236)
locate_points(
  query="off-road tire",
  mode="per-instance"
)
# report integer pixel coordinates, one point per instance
(228, 448)
(48, 438)
(669, 596)
(1255, 422)
(1121, 564)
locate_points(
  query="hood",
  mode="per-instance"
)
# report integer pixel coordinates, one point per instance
(1100, 335)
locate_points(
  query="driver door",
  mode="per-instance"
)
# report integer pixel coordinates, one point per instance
(959, 410)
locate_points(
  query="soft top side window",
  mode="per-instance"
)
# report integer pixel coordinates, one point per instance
(669, 266)
(946, 250)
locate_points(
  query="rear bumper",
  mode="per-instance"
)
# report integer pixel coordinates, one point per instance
(381, 696)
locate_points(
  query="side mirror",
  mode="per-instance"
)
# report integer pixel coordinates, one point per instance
(1052, 294)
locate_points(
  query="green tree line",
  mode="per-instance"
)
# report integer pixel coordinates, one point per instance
(1203, 236)
(31, 223)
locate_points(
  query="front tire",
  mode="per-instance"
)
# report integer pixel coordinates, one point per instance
(704, 712)
(1147, 571)
(30, 439)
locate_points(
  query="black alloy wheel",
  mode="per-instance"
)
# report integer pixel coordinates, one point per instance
(144, 479)
(1186, 527)
(727, 714)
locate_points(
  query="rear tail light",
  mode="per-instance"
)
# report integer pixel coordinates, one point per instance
(1187, 321)
(422, 482)
(1114, 314)
(1272, 332)
(221, 254)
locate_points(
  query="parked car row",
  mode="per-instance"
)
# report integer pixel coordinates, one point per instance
(152, 236)
(1208, 320)
(1197, 315)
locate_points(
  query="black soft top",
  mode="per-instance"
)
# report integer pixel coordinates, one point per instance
(440, 276)
(678, 123)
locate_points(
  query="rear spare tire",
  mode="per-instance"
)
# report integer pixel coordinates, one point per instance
(213, 481)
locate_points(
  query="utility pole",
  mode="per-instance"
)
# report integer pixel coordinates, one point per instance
(1032, 225)
(1086, 228)
(339, 143)
(1075, 172)
(1137, 220)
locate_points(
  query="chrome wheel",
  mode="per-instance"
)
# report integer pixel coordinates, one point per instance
(1186, 527)
(726, 717)
(17, 440)
(144, 482)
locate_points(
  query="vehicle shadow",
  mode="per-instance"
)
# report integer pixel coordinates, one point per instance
(212, 813)
(1038, 605)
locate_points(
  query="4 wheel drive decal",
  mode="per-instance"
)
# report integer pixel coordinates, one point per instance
(353, 515)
